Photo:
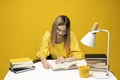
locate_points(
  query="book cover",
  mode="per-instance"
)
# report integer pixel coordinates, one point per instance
(95, 57)
(20, 60)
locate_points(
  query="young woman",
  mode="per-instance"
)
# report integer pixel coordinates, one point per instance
(60, 43)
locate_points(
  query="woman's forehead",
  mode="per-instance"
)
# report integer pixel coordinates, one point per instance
(62, 27)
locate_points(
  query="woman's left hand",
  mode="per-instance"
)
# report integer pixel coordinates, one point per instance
(60, 60)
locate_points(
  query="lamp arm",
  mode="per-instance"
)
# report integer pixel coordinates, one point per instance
(108, 44)
(108, 48)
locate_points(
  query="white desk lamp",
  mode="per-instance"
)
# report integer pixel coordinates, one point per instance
(89, 40)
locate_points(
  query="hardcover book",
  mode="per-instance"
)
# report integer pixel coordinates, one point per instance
(95, 56)
(22, 69)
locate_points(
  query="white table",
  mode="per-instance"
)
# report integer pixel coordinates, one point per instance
(47, 74)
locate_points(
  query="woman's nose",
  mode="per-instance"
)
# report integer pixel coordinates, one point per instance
(60, 32)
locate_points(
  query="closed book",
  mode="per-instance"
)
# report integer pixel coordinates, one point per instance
(98, 69)
(22, 65)
(20, 60)
(95, 57)
(23, 69)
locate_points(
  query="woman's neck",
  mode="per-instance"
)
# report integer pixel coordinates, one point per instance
(59, 40)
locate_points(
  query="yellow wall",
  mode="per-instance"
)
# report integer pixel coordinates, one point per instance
(23, 22)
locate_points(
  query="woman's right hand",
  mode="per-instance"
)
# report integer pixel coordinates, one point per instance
(46, 64)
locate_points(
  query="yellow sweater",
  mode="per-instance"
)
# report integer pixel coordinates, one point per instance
(58, 50)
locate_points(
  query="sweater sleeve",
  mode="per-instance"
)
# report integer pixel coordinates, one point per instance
(44, 49)
(74, 48)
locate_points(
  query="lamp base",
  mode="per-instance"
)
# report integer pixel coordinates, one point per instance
(101, 75)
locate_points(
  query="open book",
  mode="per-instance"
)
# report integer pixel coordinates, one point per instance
(67, 65)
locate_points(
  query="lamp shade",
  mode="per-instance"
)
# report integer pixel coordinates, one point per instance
(89, 39)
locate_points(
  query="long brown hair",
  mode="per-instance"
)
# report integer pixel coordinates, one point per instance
(61, 20)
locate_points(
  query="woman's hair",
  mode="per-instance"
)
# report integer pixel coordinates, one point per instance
(61, 21)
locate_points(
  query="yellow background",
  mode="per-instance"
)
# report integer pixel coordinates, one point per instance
(23, 22)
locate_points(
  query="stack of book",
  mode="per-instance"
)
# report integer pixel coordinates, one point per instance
(21, 65)
(97, 62)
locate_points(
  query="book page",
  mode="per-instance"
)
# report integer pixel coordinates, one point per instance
(63, 66)
(67, 65)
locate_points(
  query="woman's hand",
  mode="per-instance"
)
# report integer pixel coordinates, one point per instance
(46, 64)
(60, 60)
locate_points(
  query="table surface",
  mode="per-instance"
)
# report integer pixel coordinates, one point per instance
(49, 74)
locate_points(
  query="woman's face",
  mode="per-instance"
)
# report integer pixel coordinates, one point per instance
(61, 31)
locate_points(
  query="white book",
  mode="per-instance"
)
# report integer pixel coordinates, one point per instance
(22, 65)
(97, 66)
(98, 69)
(17, 63)
(67, 65)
